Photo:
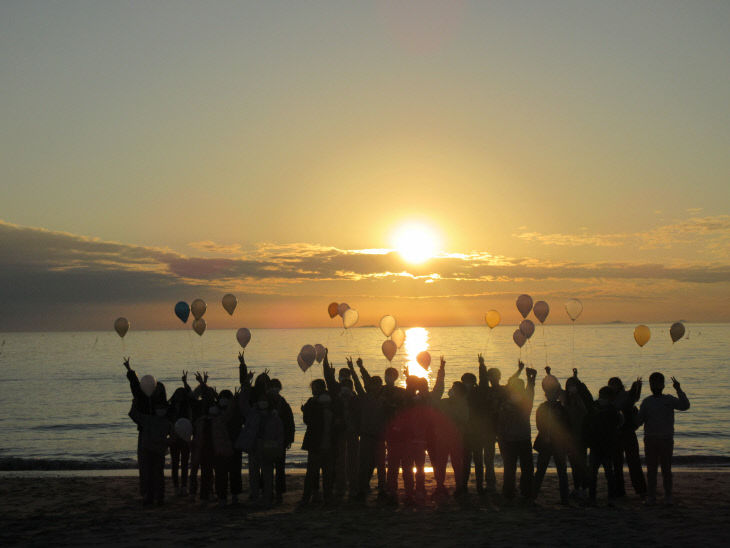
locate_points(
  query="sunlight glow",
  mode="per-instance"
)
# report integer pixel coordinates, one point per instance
(416, 242)
(416, 341)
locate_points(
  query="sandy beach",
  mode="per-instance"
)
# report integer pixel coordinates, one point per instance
(106, 511)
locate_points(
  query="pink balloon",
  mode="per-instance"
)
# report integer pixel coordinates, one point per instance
(319, 352)
(342, 308)
(519, 338)
(308, 354)
(524, 305)
(527, 328)
(541, 311)
(302, 364)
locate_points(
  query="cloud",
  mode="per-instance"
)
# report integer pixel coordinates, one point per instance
(39, 266)
(706, 231)
(208, 246)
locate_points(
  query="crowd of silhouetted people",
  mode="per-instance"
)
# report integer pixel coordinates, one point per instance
(361, 427)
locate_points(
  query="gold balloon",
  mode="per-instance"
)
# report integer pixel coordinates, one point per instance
(389, 349)
(387, 325)
(493, 318)
(642, 334)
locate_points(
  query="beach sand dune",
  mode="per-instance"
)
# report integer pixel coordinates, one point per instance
(106, 511)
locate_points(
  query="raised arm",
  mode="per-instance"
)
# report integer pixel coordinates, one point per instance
(133, 381)
(244, 375)
(329, 375)
(483, 379)
(520, 367)
(355, 379)
(635, 391)
(363, 372)
(438, 387)
(682, 403)
(531, 376)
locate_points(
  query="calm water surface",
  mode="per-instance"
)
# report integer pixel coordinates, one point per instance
(65, 396)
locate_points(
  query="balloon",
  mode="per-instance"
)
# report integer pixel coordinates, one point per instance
(642, 335)
(676, 331)
(527, 327)
(308, 354)
(319, 352)
(148, 385)
(541, 311)
(519, 338)
(121, 326)
(243, 336)
(349, 318)
(342, 308)
(574, 308)
(389, 349)
(182, 311)
(524, 305)
(423, 359)
(302, 364)
(333, 309)
(398, 337)
(387, 325)
(493, 318)
(199, 326)
(550, 384)
(184, 429)
(198, 308)
(229, 303)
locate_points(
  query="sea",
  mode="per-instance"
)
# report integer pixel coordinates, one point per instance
(64, 396)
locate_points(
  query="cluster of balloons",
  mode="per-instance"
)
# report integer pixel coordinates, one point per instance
(540, 309)
(396, 336)
(309, 354)
(198, 308)
(642, 333)
(349, 315)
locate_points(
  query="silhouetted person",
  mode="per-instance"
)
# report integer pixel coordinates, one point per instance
(449, 426)
(318, 415)
(602, 434)
(226, 425)
(657, 415)
(143, 404)
(578, 401)
(474, 441)
(396, 439)
(179, 408)
(552, 440)
(284, 411)
(625, 402)
(515, 437)
(347, 451)
(493, 394)
(154, 432)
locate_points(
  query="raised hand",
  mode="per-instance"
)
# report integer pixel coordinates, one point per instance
(199, 377)
(359, 362)
(547, 369)
(126, 363)
(249, 376)
(326, 361)
(185, 377)
(520, 365)
(205, 377)
(481, 360)
(240, 358)
(575, 372)
(349, 362)
(236, 391)
(442, 362)
(675, 383)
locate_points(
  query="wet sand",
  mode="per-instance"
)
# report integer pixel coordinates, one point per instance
(106, 511)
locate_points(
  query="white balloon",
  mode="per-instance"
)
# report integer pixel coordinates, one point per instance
(574, 308)
(148, 385)
(387, 325)
(349, 318)
(398, 337)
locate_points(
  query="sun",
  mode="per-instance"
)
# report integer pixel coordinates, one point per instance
(415, 242)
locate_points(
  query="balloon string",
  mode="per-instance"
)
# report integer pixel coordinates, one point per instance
(544, 343)
(572, 342)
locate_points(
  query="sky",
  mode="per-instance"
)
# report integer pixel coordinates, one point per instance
(161, 151)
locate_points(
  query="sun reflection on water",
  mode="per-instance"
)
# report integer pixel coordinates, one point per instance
(416, 341)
